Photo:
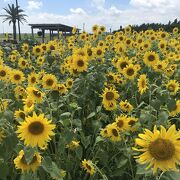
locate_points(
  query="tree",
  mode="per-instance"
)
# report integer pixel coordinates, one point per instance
(12, 15)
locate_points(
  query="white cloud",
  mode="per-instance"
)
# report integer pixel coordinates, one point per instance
(77, 11)
(99, 4)
(34, 5)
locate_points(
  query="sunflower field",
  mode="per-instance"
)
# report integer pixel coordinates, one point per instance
(91, 107)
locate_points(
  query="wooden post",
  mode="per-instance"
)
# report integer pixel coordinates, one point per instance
(32, 30)
(50, 34)
(43, 31)
(58, 34)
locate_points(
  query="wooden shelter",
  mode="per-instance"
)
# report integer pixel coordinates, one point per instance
(51, 28)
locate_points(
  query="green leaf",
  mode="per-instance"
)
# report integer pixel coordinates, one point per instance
(78, 152)
(4, 170)
(171, 176)
(171, 105)
(91, 115)
(163, 116)
(66, 114)
(47, 164)
(29, 154)
(26, 176)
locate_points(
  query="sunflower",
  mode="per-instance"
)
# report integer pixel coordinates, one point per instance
(35, 94)
(22, 63)
(69, 83)
(80, 63)
(122, 63)
(49, 81)
(151, 58)
(25, 47)
(162, 45)
(102, 28)
(36, 130)
(142, 83)
(4, 73)
(176, 109)
(88, 166)
(131, 123)
(17, 77)
(160, 66)
(121, 123)
(130, 71)
(109, 95)
(20, 92)
(37, 50)
(73, 145)
(110, 106)
(95, 28)
(32, 79)
(21, 163)
(113, 132)
(61, 88)
(20, 115)
(125, 106)
(160, 148)
(173, 87)
(40, 60)
(28, 104)
(98, 52)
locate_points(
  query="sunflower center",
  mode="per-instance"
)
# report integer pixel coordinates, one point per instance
(36, 128)
(114, 132)
(23, 63)
(130, 72)
(70, 83)
(151, 58)
(17, 77)
(99, 52)
(52, 47)
(162, 149)
(2, 73)
(131, 122)
(123, 65)
(88, 167)
(33, 79)
(36, 93)
(171, 87)
(80, 63)
(89, 51)
(38, 50)
(109, 96)
(22, 115)
(120, 124)
(143, 83)
(49, 82)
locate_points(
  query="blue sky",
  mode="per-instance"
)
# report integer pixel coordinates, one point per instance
(111, 13)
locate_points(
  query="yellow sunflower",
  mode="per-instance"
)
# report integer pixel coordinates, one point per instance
(109, 95)
(151, 58)
(32, 79)
(21, 163)
(69, 83)
(25, 47)
(173, 87)
(22, 63)
(20, 115)
(88, 166)
(4, 73)
(121, 123)
(142, 83)
(28, 104)
(2, 135)
(17, 77)
(61, 88)
(80, 63)
(36, 130)
(113, 132)
(49, 81)
(130, 71)
(125, 106)
(37, 50)
(35, 94)
(160, 148)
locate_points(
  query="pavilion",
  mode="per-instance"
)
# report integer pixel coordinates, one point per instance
(51, 28)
